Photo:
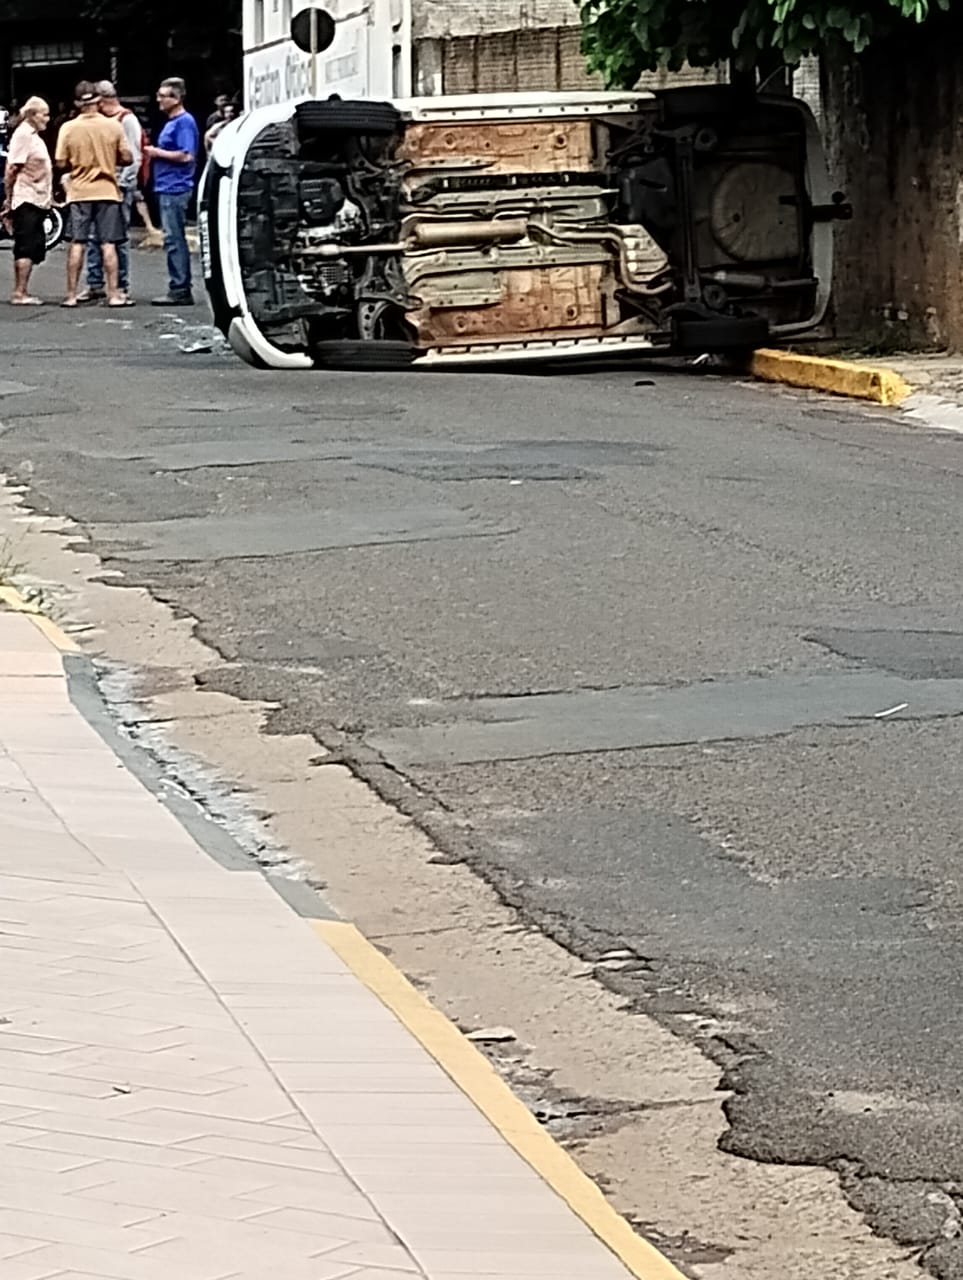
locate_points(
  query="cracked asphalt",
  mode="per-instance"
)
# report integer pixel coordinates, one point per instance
(677, 667)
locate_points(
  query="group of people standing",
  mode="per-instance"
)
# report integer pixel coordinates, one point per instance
(102, 156)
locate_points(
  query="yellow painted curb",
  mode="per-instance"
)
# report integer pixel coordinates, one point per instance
(59, 639)
(477, 1078)
(838, 377)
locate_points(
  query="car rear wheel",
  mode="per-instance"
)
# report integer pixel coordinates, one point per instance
(375, 354)
(373, 119)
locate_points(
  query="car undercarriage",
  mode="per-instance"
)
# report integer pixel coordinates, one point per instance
(367, 238)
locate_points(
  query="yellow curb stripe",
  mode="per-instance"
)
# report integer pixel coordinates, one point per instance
(59, 639)
(837, 377)
(477, 1078)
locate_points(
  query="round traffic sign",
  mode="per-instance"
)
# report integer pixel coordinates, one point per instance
(301, 29)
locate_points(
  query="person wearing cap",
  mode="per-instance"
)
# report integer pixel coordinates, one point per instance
(28, 194)
(111, 107)
(90, 150)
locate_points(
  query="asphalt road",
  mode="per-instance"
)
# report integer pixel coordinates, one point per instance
(622, 640)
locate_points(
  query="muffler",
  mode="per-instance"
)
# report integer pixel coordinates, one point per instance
(445, 235)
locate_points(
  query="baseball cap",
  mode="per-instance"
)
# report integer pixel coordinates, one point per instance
(86, 93)
(105, 89)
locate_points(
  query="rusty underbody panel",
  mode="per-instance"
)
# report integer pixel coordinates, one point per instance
(531, 146)
(539, 288)
(536, 302)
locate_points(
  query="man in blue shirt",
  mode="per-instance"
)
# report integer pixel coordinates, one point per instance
(173, 162)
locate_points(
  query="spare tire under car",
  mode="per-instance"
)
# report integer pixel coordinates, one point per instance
(373, 119)
(725, 333)
(373, 353)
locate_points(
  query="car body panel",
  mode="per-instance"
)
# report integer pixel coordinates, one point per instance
(517, 226)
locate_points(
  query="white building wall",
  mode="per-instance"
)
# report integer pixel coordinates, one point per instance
(361, 63)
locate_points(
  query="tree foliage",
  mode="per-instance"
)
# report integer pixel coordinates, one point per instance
(624, 38)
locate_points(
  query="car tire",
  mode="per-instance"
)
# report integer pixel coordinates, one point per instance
(728, 333)
(54, 227)
(373, 119)
(374, 354)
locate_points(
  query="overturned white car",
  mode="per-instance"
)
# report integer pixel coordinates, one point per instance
(437, 231)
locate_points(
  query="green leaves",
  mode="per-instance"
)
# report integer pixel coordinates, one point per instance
(623, 38)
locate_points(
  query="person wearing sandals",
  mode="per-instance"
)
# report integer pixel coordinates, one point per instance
(90, 150)
(111, 107)
(28, 194)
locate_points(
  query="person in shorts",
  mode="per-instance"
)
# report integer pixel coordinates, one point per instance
(111, 106)
(90, 150)
(28, 195)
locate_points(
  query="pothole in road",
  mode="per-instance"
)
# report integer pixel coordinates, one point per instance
(519, 460)
(483, 469)
(348, 410)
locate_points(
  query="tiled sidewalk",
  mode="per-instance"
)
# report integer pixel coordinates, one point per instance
(193, 1086)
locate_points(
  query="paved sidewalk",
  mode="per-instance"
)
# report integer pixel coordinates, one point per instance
(193, 1084)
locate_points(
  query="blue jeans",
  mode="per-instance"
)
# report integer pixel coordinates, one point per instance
(173, 216)
(95, 259)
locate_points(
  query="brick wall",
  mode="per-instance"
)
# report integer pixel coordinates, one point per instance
(547, 59)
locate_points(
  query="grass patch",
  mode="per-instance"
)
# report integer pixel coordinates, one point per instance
(10, 565)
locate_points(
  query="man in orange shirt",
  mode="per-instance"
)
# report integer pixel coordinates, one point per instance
(90, 149)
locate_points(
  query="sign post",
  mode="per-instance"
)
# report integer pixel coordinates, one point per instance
(314, 52)
(313, 30)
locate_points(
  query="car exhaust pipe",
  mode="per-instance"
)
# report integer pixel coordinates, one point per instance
(430, 235)
(444, 235)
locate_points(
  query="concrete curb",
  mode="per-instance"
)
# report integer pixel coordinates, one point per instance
(12, 598)
(453, 1052)
(837, 377)
(478, 1080)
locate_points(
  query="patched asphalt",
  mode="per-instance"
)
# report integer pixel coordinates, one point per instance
(679, 668)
